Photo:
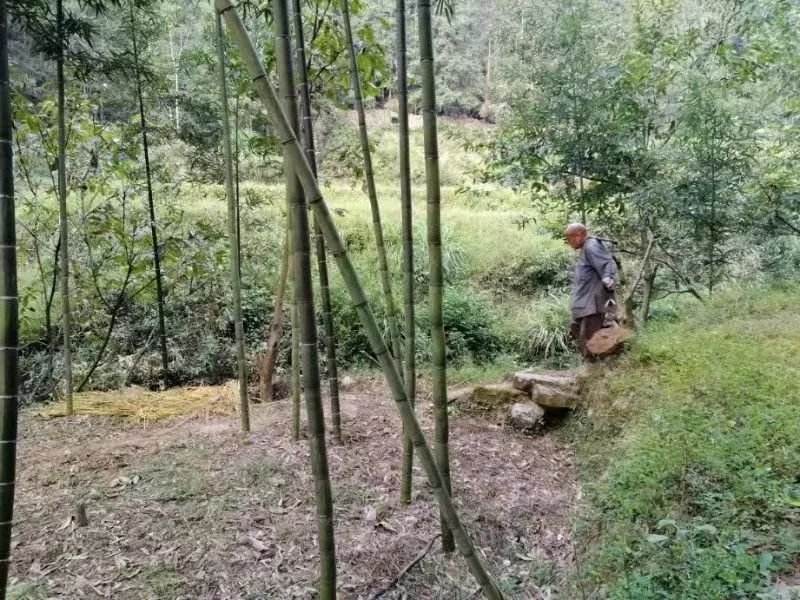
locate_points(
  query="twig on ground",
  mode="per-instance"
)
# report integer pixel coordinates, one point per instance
(406, 569)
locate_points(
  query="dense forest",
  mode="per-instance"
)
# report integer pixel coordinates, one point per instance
(165, 190)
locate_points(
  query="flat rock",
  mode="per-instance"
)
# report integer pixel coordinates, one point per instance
(527, 380)
(525, 415)
(496, 395)
(608, 341)
(552, 397)
(486, 398)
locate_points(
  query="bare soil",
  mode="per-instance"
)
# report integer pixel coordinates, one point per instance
(192, 509)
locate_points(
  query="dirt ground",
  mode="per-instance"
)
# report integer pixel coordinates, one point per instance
(192, 509)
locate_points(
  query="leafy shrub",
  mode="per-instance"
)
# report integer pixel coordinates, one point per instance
(780, 257)
(548, 269)
(469, 326)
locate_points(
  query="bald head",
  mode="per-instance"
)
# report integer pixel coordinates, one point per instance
(575, 235)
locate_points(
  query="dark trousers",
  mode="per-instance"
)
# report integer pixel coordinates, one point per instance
(584, 328)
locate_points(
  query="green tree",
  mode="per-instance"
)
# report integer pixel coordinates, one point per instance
(162, 328)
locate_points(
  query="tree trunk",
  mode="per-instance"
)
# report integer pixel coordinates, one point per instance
(304, 295)
(233, 234)
(383, 265)
(296, 160)
(151, 207)
(9, 309)
(436, 280)
(647, 294)
(322, 263)
(408, 245)
(66, 314)
(275, 329)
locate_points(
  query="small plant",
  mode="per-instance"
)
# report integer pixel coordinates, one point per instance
(549, 333)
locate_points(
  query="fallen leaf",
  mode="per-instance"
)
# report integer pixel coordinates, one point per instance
(257, 544)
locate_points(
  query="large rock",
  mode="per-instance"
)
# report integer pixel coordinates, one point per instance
(527, 380)
(608, 341)
(553, 397)
(525, 415)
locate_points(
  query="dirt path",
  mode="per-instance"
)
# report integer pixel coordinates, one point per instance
(193, 510)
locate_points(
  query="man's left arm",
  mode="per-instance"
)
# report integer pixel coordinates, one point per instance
(602, 262)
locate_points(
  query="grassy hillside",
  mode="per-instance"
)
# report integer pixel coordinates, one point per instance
(691, 454)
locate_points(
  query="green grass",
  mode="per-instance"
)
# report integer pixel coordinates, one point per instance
(691, 457)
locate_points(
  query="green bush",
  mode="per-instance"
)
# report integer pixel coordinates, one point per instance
(469, 326)
(532, 274)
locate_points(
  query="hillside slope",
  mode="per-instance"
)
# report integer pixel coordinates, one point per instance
(691, 457)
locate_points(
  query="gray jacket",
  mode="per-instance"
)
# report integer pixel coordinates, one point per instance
(589, 295)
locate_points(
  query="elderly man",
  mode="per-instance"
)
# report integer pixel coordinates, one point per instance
(592, 284)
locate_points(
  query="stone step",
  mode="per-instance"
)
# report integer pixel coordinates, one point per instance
(525, 415)
(553, 397)
(527, 380)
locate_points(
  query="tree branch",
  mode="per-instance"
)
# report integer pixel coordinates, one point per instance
(406, 569)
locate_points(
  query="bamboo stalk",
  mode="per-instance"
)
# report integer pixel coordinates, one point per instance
(304, 295)
(162, 328)
(295, 156)
(66, 312)
(322, 263)
(233, 233)
(9, 313)
(383, 264)
(408, 244)
(436, 280)
(294, 318)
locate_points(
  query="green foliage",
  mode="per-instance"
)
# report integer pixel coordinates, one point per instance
(697, 495)
(536, 272)
(469, 325)
(548, 334)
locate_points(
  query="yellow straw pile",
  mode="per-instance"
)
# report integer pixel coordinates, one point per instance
(147, 407)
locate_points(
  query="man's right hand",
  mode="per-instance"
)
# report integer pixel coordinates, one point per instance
(608, 282)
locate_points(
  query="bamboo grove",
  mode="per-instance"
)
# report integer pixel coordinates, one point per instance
(292, 119)
(297, 164)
